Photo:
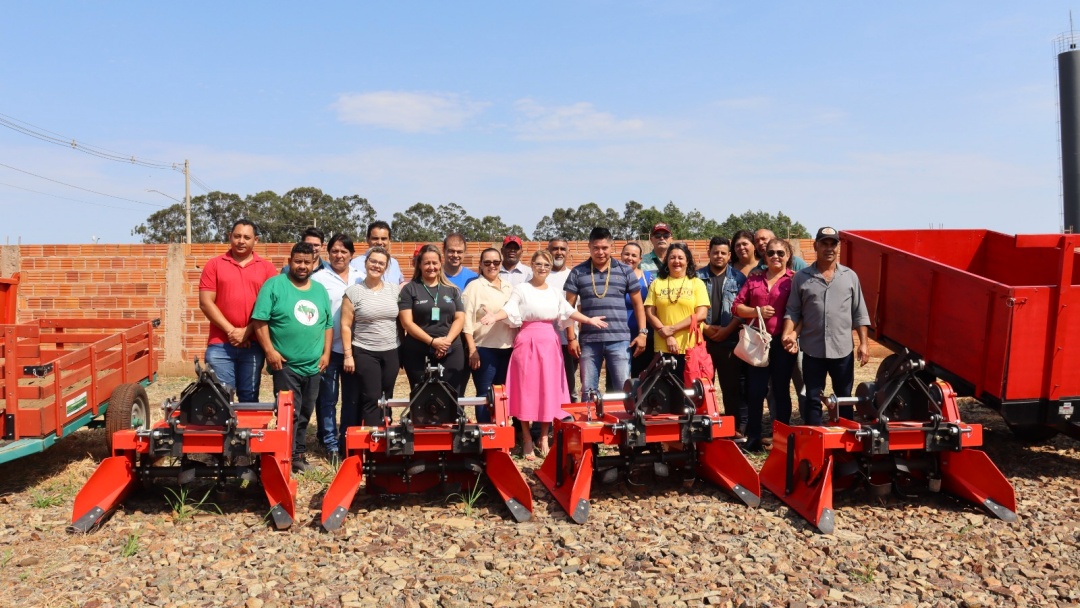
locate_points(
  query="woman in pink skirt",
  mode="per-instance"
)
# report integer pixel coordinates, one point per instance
(536, 381)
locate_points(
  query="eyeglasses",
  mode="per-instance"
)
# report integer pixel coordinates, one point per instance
(662, 235)
(491, 262)
(778, 253)
(375, 264)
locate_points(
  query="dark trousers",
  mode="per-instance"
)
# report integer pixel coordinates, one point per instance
(729, 372)
(494, 362)
(570, 363)
(305, 391)
(842, 373)
(776, 375)
(376, 372)
(641, 362)
(415, 357)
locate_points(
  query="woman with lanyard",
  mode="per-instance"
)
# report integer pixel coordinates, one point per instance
(765, 295)
(676, 305)
(536, 382)
(489, 346)
(369, 315)
(432, 315)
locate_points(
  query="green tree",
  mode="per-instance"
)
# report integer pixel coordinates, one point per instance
(575, 224)
(781, 225)
(419, 223)
(280, 219)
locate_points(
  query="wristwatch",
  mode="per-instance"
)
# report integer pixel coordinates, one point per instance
(643, 332)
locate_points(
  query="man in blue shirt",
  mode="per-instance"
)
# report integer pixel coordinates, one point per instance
(600, 285)
(722, 327)
(453, 247)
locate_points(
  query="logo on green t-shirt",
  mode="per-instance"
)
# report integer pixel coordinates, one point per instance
(306, 312)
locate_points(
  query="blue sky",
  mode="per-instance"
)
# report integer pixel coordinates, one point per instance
(859, 115)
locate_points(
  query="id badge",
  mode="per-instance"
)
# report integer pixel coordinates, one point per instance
(435, 313)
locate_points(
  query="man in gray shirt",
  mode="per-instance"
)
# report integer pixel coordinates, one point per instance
(826, 303)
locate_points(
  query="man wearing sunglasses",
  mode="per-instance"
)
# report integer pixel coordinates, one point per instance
(650, 263)
(826, 303)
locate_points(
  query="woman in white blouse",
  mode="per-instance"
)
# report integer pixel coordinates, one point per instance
(536, 381)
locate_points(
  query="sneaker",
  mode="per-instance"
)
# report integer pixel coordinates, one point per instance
(300, 465)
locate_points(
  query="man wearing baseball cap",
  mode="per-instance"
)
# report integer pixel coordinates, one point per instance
(510, 270)
(826, 303)
(660, 237)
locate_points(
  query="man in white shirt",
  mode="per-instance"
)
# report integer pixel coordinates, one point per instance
(511, 270)
(559, 248)
(378, 234)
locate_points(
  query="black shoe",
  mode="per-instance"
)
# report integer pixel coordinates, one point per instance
(300, 465)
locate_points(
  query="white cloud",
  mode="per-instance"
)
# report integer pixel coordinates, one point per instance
(578, 121)
(404, 111)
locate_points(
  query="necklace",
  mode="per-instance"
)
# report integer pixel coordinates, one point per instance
(679, 295)
(607, 280)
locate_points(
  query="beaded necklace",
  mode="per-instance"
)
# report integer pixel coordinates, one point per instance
(681, 285)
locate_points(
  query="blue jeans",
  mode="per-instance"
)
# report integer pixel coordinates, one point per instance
(240, 368)
(617, 355)
(326, 406)
(493, 365)
(842, 372)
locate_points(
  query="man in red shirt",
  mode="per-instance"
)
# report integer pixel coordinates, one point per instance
(227, 290)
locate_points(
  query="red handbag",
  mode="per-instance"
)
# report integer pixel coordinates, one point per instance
(698, 362)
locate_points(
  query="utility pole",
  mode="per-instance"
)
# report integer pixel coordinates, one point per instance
(187, 198)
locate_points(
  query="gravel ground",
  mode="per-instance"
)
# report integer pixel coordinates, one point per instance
(656, 545)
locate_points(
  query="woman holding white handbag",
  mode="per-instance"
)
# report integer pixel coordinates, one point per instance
(762, 300)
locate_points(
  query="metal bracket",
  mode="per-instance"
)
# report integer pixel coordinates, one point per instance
(38, 371)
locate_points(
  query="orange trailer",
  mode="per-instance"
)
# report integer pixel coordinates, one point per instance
(59, 375)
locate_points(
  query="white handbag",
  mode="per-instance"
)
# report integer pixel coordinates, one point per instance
(753, 346)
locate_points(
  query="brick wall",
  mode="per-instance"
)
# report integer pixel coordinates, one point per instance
(161, 282)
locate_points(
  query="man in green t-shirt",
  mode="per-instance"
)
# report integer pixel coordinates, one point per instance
(294, 326)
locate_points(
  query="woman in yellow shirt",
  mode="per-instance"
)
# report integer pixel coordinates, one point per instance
(677, 303)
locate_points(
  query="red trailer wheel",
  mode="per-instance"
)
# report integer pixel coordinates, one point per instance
(129, 408)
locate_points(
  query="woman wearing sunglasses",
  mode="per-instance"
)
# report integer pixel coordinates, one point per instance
(488, 346)
(766, 294)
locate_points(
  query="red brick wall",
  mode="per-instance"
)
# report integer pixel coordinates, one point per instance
(129, 281)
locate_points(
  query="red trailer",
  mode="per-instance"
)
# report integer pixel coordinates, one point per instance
(59, 375)
(991, 313)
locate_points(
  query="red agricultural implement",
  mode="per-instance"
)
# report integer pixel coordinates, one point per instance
(432, 445)
(204, 435)
(995, 315)
(909, 437)
(59, 375)
(662, 424)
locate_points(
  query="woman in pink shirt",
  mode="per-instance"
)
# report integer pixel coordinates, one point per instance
(768, 293)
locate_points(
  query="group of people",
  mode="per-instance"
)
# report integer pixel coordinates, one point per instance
(346, 325)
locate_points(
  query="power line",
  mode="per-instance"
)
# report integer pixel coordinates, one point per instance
(198, 182)
(45, 135)
(49, 179)
(67, 198)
